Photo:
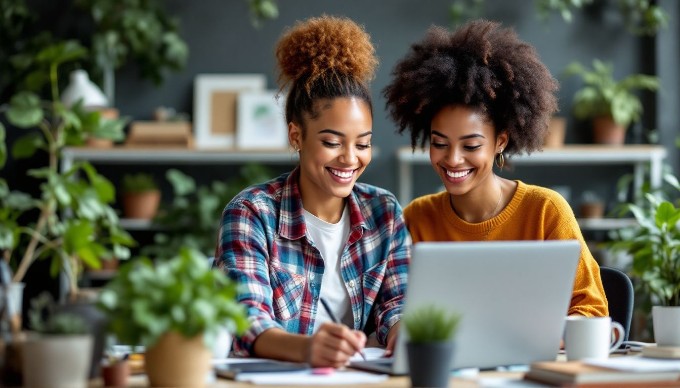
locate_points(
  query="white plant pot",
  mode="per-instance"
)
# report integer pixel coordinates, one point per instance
(666, 321)
(57, 360)
(11, 298)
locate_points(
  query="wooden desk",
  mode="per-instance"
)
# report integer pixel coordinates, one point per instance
(392, 382)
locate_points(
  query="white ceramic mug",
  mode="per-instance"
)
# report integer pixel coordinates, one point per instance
(666, 322)
(591, 337)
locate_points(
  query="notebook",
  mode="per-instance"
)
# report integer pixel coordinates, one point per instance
(513, 297)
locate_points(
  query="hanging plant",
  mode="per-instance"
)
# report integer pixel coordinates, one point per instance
(262, 10)
(641, 17)
(138, 31)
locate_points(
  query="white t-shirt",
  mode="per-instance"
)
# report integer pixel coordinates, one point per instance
(330, 240)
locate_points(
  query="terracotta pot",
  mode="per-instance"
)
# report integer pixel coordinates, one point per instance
(98, 143)
(607, 131)
(556, 132)
(141, 205)
(116, 374)
(592, 210)
(176, 361)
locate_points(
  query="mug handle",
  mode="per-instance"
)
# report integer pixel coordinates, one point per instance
(616, 327)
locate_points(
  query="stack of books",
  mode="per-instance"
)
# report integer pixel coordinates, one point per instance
(164, 134)
(672, 352)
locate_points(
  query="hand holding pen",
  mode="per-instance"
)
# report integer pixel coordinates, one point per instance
(334, 344)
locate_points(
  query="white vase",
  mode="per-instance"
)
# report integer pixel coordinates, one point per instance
(12, 299)
(57, 360)
(81, 88)
(666, 321)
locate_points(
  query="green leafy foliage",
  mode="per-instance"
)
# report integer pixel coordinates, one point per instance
(137, 31)
(431, 324)
(181, 294)
(193, 217)
(12, 205)
(138, 183)
(655, 247)
(641, 17)
(262, 10)
(45, 320)
(76, 225)
(602, 95)
(563, 7)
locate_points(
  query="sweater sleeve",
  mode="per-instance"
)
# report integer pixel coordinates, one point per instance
(588, 297)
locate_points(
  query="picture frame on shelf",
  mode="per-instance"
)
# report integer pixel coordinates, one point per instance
(215, 102)
(261, 122)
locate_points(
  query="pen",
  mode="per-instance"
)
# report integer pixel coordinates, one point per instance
(326, 307)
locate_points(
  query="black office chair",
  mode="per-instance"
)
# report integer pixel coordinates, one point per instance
(620, 295)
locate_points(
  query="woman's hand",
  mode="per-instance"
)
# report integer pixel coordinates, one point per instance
(334, 344)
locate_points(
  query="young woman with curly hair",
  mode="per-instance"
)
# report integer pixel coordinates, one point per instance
(477, 96)
(315, 232)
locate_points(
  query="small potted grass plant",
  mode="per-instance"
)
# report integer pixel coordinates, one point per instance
(430, 345)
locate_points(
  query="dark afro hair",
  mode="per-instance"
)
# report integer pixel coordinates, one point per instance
(324, 57)
(481, 66)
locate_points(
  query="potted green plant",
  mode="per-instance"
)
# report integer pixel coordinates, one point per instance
(59, 351)
(654, 244)
(70, 221)
(429, 345)
(611, 104)
(75, 224)
(141, 196)
(174, 308)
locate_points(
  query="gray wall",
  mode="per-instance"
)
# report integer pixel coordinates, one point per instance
(222, 40)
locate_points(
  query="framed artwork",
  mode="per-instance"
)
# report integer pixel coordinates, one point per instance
(215, 101)
(261, 122)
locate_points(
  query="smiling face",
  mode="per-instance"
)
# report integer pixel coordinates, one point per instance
(335, 148)
(463, 145)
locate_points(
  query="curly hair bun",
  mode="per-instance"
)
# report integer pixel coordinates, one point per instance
(325, 47)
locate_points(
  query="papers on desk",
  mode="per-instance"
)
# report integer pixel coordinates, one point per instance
(370, 353)
(307, 378)
(297, 377)
(637, 364)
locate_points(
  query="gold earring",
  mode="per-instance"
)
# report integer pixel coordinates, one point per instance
(500, 159)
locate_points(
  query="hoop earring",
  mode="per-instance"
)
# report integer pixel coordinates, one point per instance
(500, 160)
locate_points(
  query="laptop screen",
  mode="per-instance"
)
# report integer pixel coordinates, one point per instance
(513, 297)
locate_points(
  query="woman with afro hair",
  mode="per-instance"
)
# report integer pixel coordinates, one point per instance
(477, 96)
(316, 233)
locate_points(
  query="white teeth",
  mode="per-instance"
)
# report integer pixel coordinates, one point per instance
(342, 174)
(457, 174)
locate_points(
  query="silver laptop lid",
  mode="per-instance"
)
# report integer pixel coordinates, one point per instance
(513, 297)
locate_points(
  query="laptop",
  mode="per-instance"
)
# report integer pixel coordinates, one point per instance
(513, 297)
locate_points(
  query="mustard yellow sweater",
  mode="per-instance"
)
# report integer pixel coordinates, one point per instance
(534, 213)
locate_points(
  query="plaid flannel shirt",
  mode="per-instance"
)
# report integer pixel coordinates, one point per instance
(263, 246)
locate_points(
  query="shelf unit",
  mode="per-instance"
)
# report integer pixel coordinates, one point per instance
(123, 155)
(639, 156)
(126, 155)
